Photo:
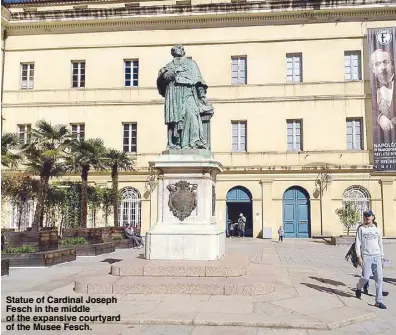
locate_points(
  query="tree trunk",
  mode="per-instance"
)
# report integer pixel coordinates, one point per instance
(39, 212)
(114, 178)
(20, 208)
(84, 196)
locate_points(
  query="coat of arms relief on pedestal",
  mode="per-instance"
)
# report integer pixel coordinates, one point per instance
(182, 199)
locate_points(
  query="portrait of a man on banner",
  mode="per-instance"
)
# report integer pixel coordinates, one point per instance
(383, 95)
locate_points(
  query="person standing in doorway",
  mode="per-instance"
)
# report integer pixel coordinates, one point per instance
(281, 233)
(370, 253)
(241, 225)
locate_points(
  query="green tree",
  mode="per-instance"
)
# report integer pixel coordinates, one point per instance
(116, 161)
(106, 199)
(86, 155)
(10, 158)
(349, 215)
(94, 201)
(53, 209)
(45, 156)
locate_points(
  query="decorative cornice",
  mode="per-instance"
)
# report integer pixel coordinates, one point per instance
(161, 102)
(207, 15)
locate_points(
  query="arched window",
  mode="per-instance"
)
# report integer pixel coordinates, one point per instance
(359, 197)
(129, 210)
(22, 216)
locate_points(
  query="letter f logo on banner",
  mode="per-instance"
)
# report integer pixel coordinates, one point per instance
(384, 37)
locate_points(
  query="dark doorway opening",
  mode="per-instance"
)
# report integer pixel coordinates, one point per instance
(239, 200)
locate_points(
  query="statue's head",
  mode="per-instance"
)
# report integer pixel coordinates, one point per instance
(178, 51)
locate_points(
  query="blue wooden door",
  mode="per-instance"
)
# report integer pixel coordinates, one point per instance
(296, 220)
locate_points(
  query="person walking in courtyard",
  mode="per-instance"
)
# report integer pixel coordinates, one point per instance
(370, 253)
(281, 233)
(241, 225)
(367, 285)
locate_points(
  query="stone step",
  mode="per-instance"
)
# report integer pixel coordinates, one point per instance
(231, 265)
(108, 284)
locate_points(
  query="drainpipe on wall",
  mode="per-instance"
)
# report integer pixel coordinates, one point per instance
(2, 77)
(321, 207)
(382, 207)
(262, 209)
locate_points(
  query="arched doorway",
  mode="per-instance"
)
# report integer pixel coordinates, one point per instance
(239, 200)
(296, 213)
(130, 209)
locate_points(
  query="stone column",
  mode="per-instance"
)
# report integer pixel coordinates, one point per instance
(267, 218)
(389, 212)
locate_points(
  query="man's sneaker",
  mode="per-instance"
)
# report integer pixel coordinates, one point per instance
(385, 294)
(380, 305)
(365, 291)
(358, 294)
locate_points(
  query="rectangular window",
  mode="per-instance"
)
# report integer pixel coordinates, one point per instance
(78, 69)
(354, 134)
(78, 130)
(27, 76)
(352, 65)
(131, 73)
(238, 136)
(294, 135)
(24, 133)
(294, 68)
(130, 137)
(239, 70)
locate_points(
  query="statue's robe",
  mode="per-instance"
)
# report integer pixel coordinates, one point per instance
(183, 107)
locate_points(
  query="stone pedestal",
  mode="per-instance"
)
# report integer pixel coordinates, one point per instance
(196, 236)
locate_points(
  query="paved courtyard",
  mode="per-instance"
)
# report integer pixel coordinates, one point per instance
(313, 295)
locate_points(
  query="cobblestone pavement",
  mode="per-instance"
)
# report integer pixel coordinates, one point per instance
(305, 269)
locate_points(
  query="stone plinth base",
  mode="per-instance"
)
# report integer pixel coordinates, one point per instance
(185, 242)
(231, 265)
(186, 229)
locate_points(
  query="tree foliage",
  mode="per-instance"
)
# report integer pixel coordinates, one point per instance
(116, 161)
(10, 157)
(349, 215)
(45, 156)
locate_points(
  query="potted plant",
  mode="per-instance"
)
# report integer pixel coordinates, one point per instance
(348, 215)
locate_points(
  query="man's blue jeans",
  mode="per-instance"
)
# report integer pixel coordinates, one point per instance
(372, 264)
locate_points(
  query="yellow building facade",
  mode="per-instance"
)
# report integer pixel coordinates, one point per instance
(289, 82)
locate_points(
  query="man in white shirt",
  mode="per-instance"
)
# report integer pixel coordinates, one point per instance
(370, 253)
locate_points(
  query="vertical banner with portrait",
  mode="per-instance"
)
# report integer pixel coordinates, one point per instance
(381, 48)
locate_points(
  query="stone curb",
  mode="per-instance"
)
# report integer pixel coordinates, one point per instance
(142, 285)
(189, 320)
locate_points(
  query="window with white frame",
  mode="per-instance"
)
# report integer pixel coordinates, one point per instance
(130, 137)
(238, 136)
(27, 75)
(294, 68)
(129, 211)
(352, 65)
(294, 135)
(22, 215)
(238, 70)
(131, 73)
(24, 133)
(359, 197)
(78, 74)
(78, 131)
(354, 136)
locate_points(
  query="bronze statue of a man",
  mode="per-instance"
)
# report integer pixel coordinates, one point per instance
(181, 84)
